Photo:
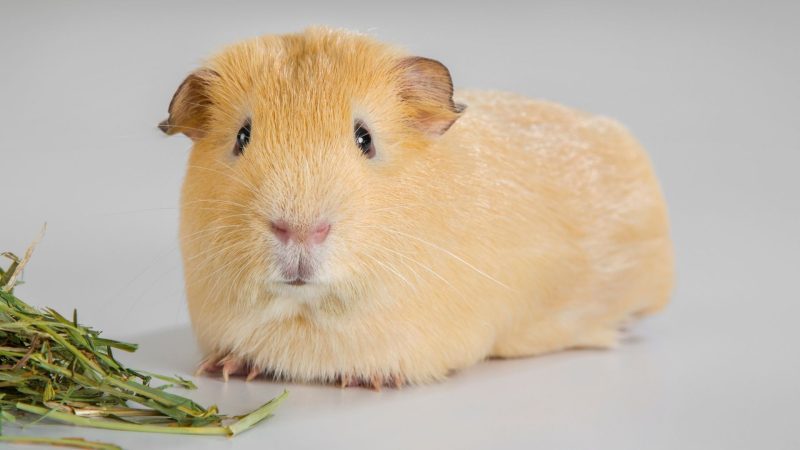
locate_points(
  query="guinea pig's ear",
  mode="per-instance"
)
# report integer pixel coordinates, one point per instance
(425, 84)
(188, 110)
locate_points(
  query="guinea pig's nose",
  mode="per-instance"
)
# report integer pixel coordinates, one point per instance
(319, 233)
(285, 232)
(282, 230)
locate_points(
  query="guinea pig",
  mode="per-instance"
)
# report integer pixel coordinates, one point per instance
(347, 217)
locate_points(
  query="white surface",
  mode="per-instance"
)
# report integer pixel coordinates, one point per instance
(711, 92)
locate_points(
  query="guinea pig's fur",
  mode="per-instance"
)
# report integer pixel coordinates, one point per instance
(486, 225)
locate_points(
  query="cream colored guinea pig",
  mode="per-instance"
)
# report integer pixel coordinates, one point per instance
(346, 217)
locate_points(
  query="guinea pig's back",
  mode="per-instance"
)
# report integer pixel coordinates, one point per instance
(596, 179)
(593, 159)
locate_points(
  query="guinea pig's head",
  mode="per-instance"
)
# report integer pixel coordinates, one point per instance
(308, 157)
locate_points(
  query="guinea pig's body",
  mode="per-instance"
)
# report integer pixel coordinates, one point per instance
(508, 228)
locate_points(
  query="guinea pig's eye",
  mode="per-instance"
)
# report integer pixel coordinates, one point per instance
(242, 139)
(364, 140)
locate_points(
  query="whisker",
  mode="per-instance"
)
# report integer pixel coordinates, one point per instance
(445, 251)
(391, 269)
(402, 255)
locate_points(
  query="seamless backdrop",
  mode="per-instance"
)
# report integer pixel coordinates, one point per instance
(710, 89)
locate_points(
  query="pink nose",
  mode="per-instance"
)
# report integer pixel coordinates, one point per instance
(286, 232)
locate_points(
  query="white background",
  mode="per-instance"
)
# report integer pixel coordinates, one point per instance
(711, 91)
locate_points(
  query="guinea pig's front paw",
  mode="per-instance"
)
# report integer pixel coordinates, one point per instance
(228, 365)
(374, 382)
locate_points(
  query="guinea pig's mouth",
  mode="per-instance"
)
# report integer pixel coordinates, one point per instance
(296, 269)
